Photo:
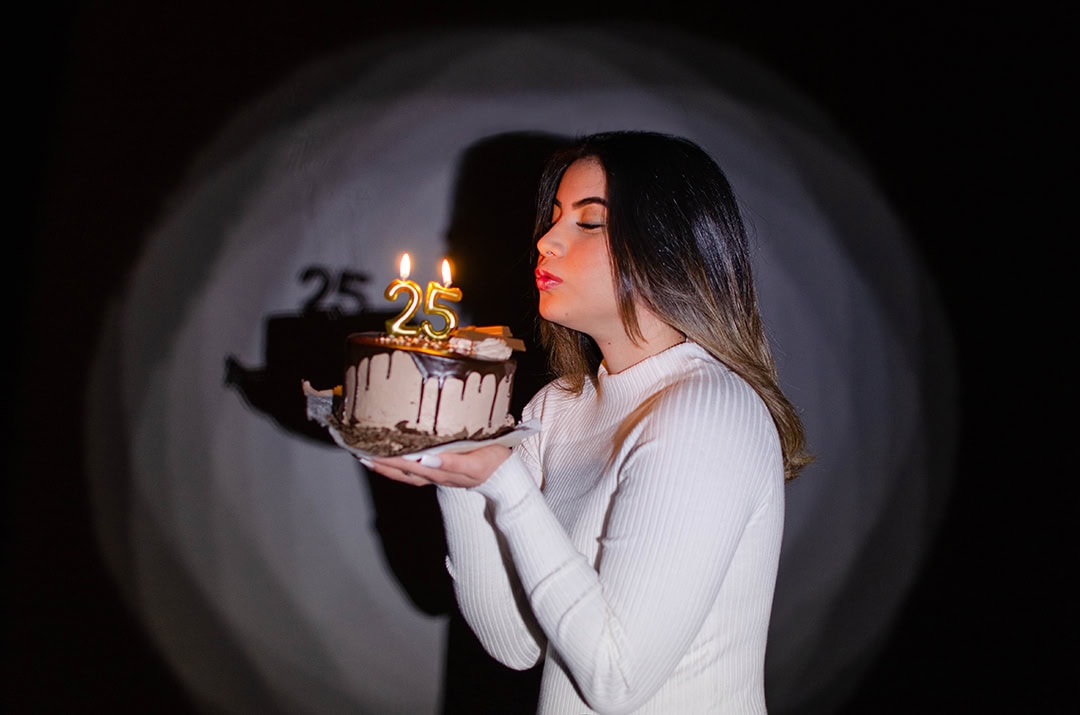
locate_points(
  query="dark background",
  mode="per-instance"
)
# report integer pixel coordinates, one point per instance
(959, 114)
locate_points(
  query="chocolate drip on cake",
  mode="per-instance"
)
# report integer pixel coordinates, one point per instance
(431, 360)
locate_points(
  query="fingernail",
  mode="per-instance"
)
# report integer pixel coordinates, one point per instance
(366, 462)
(431, 460)
(412, 457)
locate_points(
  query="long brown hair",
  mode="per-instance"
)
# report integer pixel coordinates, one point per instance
(678, 244)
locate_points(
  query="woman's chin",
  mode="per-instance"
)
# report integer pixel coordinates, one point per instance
(546, 309)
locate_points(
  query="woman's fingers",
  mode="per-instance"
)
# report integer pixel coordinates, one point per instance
(417, 467)
(399, 473)
(466, 469)
(477, 464)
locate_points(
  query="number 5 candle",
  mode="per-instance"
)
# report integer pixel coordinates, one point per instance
(432, 306)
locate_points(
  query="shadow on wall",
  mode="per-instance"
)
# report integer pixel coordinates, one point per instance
(490, 243)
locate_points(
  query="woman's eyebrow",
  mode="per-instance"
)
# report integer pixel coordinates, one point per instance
(590, 200)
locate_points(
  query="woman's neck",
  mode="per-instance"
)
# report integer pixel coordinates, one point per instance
(620, 352)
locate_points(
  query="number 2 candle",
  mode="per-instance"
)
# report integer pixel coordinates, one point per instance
(400, 325)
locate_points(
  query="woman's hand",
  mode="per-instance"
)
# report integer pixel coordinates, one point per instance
(450, 469)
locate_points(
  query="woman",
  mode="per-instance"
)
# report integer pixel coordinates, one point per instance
(633, 543)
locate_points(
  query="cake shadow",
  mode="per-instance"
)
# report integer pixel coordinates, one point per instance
(308, 345)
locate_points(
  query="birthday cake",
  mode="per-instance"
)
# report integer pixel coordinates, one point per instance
(406, 393)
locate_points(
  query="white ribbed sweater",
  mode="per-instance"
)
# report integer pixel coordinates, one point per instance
(634, 539)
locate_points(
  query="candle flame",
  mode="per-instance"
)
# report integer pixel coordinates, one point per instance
(405, 266)
(446, 273)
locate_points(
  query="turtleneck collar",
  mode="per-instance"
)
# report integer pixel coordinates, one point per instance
(643, 376)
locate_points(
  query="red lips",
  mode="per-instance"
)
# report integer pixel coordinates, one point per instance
(545, 280)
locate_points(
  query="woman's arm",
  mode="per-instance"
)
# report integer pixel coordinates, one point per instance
(486, 584)
(700, 465)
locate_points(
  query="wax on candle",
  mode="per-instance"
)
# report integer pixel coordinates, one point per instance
(400, 324)
(432, 306)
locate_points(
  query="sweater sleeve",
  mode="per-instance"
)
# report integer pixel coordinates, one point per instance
(486, 585)
(698, 462)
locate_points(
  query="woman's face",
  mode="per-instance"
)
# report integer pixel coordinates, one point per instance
(573, 273)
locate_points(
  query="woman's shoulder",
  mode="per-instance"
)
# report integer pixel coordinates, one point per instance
(707, 389)
(701, 371)
(708, 411)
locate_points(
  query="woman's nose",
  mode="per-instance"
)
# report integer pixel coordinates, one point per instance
(549, 244)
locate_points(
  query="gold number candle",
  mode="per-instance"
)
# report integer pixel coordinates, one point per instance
(432, 306)
(400, 324)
